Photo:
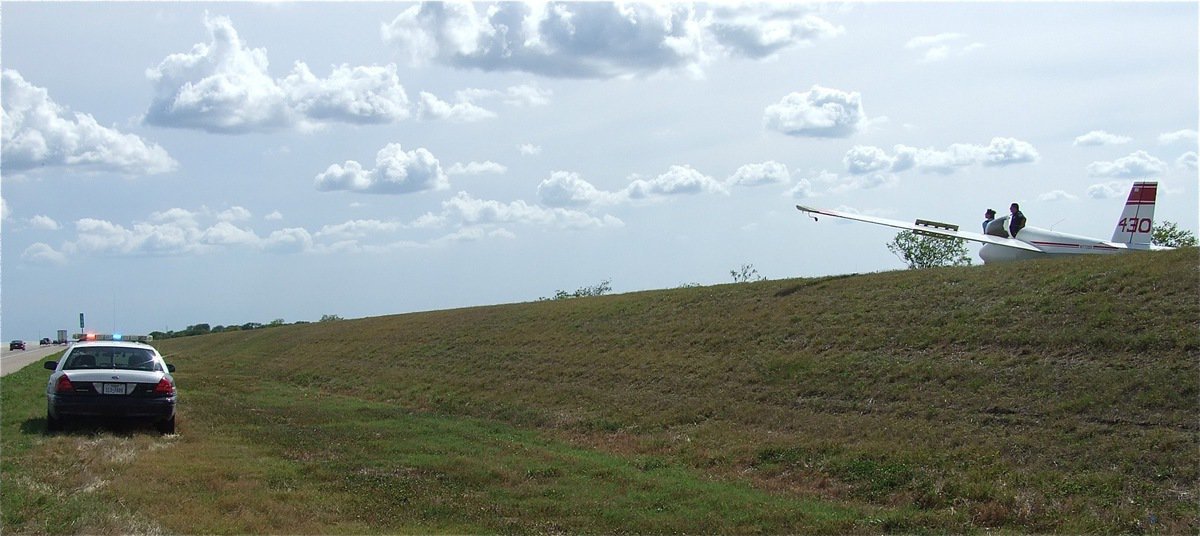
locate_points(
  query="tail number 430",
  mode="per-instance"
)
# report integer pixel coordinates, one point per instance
(1136, 225)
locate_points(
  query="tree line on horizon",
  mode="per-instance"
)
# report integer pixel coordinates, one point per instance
(204, 329)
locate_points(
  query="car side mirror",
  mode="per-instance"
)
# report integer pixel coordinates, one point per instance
(170, 367)
(50, 365)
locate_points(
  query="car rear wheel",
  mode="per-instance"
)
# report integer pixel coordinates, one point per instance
(166, 427)
(52, 424)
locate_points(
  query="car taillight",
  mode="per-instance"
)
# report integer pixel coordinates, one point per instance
(64, 385)
(164, 387)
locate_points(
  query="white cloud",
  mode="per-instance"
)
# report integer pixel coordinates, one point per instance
(428, 221)
(177, 232)
(43, 253)
(529, 149)
(1186, 161)
(769, 172)
(274, 216)
(432, 108)
(474, 234)
(1000, 152)
(957, 155)
(568, 40)
(942, 46)
(566, 189)
(819, 112)
(763, 30)
(839, 184)
(4, 211)
(676, 180)
(599, 39)
(290, 240)
(1137, 165)
(224, 87)
(236, 213)
(472, 211)
(1100, 137)
(225, 233)
(1056, 195)
(176, 215)
(360, 228)
(865, 159)
(477, 168)
(396, 172)
(44, 223)
(182, 232)
(1108, 190)
(362, 94)
(38, 133)
(1188, 135)
(907, 158)
(175, 237)
(1008, 151)
(521, 96)
(803, 189)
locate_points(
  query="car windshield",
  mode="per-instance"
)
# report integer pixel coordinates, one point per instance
(111, 357)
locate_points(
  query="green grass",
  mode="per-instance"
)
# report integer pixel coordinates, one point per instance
(1047, 396)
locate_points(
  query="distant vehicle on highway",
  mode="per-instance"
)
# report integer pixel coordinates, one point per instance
(45, 341)
(111, 376)
(16, 345)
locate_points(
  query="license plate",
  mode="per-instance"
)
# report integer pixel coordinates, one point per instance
(114, 388)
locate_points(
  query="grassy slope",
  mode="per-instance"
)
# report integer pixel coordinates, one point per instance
(1056, 395)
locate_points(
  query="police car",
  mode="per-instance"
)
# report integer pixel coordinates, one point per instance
(111, 376)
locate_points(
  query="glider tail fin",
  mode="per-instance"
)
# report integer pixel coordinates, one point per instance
(1137, 220)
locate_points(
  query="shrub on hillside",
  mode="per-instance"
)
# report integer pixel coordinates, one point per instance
(921, 251)
(1169, 234)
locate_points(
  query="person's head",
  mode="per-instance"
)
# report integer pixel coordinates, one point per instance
(990, 214)
(1014, 208)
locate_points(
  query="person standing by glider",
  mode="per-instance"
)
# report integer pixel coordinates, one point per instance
(1017, 221)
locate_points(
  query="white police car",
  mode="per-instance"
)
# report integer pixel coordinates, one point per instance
(111, 376)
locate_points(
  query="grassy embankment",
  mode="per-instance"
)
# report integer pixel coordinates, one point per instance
(1047, 396)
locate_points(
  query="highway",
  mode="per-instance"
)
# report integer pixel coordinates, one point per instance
(14, 360)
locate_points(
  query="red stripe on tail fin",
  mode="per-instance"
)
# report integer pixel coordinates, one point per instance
(1143, 193)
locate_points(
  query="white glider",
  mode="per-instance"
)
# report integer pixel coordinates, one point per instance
(1133, 232)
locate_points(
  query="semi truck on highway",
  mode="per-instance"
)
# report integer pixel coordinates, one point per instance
(62, 337)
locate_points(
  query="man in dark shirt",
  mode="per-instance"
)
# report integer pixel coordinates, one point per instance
(1017, 221)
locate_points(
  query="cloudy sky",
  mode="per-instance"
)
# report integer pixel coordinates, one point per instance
(167, 164)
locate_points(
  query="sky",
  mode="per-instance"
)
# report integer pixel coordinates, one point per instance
(170, 164)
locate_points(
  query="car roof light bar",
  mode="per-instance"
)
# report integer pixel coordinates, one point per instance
(88, 337)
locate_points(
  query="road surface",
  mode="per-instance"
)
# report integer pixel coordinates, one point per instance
(14, 360)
